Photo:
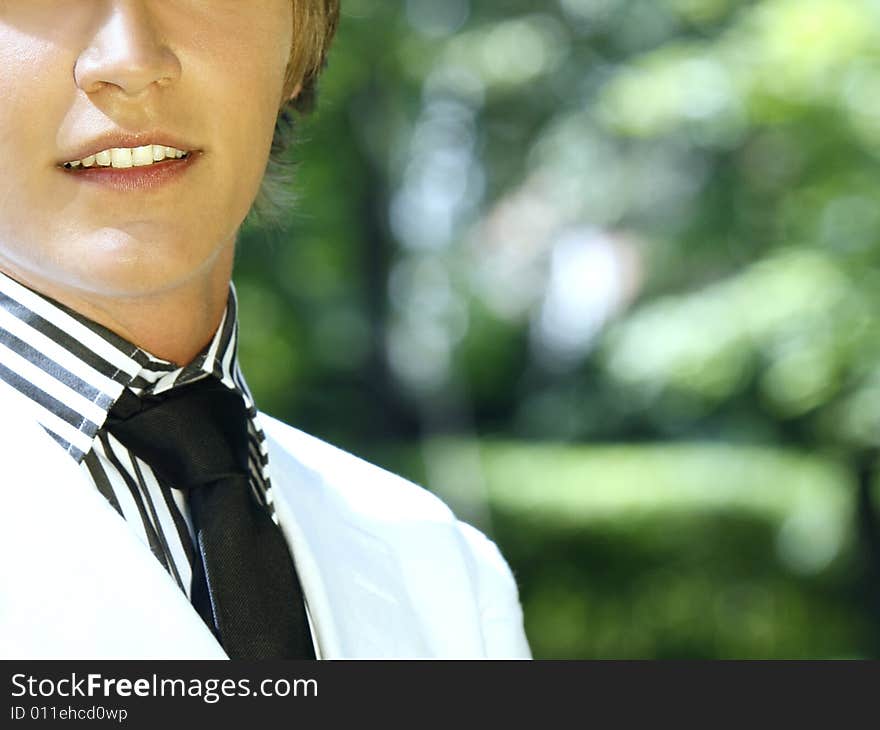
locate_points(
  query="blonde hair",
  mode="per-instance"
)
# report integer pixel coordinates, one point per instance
(314, 26)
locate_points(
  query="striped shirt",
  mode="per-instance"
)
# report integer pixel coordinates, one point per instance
(67, 372)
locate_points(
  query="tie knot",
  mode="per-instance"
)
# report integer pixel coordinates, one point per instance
(191, 435)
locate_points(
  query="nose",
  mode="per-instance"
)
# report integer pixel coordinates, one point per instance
(126, 51)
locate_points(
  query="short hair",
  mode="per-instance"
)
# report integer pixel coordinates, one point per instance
(314, 26)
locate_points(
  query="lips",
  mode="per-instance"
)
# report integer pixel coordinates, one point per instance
(126, 162)
(142, 179)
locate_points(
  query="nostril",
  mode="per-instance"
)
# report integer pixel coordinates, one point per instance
(126, 54)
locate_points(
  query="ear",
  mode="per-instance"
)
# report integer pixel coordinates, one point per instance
(286, 97)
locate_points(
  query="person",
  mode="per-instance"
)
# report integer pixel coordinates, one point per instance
(149, 509)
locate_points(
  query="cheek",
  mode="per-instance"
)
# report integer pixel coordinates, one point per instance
(246, 101)
(34, 92)
(36, 85)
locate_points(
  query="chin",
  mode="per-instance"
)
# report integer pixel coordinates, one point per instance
(126, 278)
(126, 266)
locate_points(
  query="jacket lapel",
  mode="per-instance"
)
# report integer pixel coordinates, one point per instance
(354, 588)
(75, 581)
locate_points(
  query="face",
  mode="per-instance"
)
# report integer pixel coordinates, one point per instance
(208, 73)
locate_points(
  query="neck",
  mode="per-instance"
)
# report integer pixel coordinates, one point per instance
(174, 324)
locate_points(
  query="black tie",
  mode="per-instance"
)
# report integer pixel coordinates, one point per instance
(244, 585)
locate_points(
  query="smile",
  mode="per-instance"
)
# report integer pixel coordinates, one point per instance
(127, 157)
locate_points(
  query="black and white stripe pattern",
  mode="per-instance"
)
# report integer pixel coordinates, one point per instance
(67, 372)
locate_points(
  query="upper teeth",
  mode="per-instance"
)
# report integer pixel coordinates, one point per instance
(128, 157)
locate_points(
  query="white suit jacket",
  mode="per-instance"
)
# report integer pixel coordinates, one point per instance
(386, 570)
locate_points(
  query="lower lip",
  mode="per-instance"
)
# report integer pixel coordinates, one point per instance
(134, 179)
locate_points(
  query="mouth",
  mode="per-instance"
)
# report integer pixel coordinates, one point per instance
(125, 170)
(125, 158)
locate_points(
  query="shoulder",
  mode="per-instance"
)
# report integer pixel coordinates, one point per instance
(365, 487)
(429, 544)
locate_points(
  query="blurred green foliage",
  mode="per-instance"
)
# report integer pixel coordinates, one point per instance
(650, 224)
(674, 551)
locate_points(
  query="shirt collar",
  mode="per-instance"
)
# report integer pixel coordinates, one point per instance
(69, 371)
